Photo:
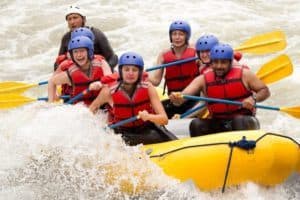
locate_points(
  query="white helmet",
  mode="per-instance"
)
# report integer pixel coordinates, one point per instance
(74, 9)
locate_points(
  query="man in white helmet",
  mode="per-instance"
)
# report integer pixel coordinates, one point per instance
(75, 17)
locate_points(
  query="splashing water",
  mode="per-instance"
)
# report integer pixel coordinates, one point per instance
(64, 152)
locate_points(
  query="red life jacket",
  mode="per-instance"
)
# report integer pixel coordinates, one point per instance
(231, 87)
(80, 81)
(66, 64)
(179, 76)
(60, 58)
(205, 69)
(125, 107)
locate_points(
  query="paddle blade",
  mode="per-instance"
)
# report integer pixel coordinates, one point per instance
(162, 96)
(293, 111)
(14, 87)
(277, 69)
(13, 100)
(264, 43)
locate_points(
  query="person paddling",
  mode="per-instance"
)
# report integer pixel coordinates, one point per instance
(76, 18)
(131, 96)
(179, 76)
(84, 70)
(228, 81)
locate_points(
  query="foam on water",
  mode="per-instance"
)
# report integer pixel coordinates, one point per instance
(63, 152)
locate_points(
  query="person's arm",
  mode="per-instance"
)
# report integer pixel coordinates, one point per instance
(156, 76)
(57, 79)
(196, 86)
(103, 47)
(160, 117)
(260, 89)
(103, 97)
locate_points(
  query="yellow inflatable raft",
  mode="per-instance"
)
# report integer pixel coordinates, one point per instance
(227, 159)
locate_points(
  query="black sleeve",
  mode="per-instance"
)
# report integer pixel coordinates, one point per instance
(64, 43)
(102, 47)
(63, 46)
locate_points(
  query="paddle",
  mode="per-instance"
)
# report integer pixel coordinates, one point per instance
(272, 71)
(293, 111)
(276, 69)
(15, 100)
(125, 121)
(192, 110)
(178, 62)
(78, 96)
(264, 43)
(19, 87)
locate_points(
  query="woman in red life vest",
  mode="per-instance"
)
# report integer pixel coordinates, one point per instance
(67, 62)
(84, 70)
(131, 96)
(177, 77)
(231, 82)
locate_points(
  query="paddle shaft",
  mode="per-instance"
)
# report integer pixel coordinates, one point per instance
(77, 97)
(270, 72)
(196, 98)
(187, 113)
(46, 98)
(178, 62)
(43, 83)
(120, 123)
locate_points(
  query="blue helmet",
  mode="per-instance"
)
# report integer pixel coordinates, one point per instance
(82, 42)
(181, 26)
(131, 58)
(221, 51)
(206, 42)
(83, 31)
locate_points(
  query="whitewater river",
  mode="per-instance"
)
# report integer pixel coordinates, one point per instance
(63, 152)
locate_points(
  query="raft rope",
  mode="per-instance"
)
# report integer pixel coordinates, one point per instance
(242, 144)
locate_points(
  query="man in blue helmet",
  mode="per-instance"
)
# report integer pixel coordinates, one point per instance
(131, 96)
(230, 82)
(76, 18)
(84, 70)
(177, 77)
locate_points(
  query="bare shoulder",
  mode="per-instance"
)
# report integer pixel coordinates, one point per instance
(165, 50)
(247, 73)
